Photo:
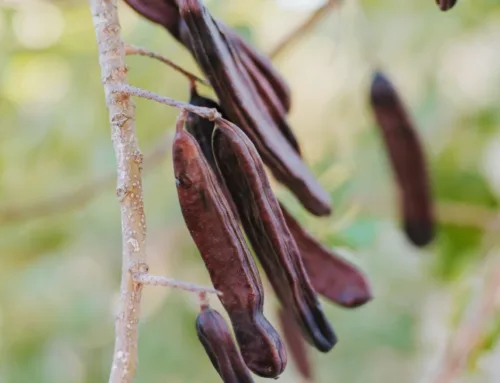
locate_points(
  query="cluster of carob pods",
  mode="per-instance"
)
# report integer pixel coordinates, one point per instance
(224, 191)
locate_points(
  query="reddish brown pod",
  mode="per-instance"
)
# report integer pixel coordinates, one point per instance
(218, 58)
(331, 276)
(445, 5)
(296, 346)
(162, 12)
(407, 160)
(217, 235)
(215, 336)
(260, 214)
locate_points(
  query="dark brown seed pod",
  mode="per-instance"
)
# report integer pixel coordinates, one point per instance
(331, 276)
(215, 336)
(162, 12)
(271, 100)
(260, 214)
(218, 59)
(201, 128)
(216, 233)
(407, 160)
(264, 66)
(297, 348)
(445, 5)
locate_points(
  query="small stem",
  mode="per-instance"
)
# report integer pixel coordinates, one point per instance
(181, 120)
(209, 113)
(157, 280)
(303, 28)
(134, 50)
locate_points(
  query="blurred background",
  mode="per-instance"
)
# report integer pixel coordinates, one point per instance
(60, 239)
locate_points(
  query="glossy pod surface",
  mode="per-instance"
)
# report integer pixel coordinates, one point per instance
(218, 237)
(218, 58)
(331, 276)
(215, 336)
(407, 160)
(260, 214)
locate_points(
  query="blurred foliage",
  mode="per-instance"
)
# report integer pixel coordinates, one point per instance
(60, 274)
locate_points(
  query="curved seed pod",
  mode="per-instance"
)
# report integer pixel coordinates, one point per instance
(264, 65)
(407, 160)
(234, 88)
(296, 345)
(244, 175)
(162, 12)
(271, 100)
(217, 235)
(444, 5)
(331, 276)
(201, 129)
(214, 335)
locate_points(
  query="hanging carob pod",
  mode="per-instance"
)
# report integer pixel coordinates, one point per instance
(407, 160)
(218, 237)
(201, 129)
(298, 349)
(331, 276)
(445, 5)
(215, 336)
(242, 169)
(264, 76)
(271, 100)
(162, 12)
(239, 97)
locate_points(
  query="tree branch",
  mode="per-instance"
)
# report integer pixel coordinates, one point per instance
(208, 113)
(129, 186)
(133, 50)
(303, 28)
(156, 280)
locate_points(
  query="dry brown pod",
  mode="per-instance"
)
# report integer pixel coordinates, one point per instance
(216, 55)
(217, 235)
(242, 169)
(297, 348)
(407, 160)
(331, 276)
(215, 336)
(445, 5)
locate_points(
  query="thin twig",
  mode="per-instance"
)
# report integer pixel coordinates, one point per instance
(303, 28)
(208, 113)
(156, 280)
(134, 50)
(79, 197)
(129, 186)
(478, 317)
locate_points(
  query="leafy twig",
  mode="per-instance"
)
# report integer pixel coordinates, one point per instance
(303, 28)
(133, 50)
(129, 189)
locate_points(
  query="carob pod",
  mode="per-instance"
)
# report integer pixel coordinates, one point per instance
(407, 160)
(162, 12)
(215, 336)
(296, 346)
(271, 100)
(201, 129)
(235, 90)
(264, 65)
(260, 214)
(217, 234)
(331, 276)
(445, 5)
